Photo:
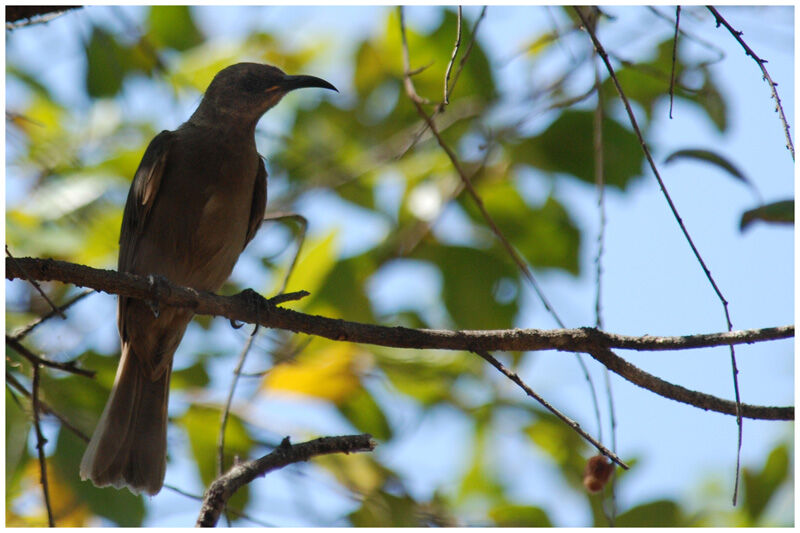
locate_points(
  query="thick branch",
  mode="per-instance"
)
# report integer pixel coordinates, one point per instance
(243, 308)
(225, 486)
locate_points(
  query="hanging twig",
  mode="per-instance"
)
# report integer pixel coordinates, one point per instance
(600, 50)
(12, 382)
(521, 264)
(564, 418)
(226, 411)
(446, 99)
(761, 62)
(40, 442)
(674, 58)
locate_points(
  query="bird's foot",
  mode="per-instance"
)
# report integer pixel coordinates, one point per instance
(159, 285)
(255, 305)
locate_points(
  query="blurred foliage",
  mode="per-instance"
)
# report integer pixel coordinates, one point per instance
(75, 163)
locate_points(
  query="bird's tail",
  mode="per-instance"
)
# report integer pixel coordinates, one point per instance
(129, 444)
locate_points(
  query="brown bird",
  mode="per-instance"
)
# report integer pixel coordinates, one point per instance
(196, 200)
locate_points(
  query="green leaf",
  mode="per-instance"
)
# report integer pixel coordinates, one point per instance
(562, 444)
(202, 427)
(781, 212)
(173, 27)
(470, 282)
(710, 100)
(508, 515)
(567, 146)
(760, 486)
(194, 376)
(426, 375)
(107, 64)
(120, 506)
(713, 158)
(365, 414)
(381, 509)
(709, 157)
(648, 82)
(545, 236)
(660, 513)
(18, 423)
(344, 289)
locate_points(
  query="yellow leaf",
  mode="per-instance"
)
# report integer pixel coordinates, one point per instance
(68, 510)
(329, 374)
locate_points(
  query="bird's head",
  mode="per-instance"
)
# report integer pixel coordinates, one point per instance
(245, 91)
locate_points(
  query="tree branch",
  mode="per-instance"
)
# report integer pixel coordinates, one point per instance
(243, 308)
(225, 486)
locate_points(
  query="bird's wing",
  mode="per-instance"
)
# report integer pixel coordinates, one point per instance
(259, 203)
(142, 196)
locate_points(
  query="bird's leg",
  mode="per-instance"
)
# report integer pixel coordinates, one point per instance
(159, 285)
(255, 304)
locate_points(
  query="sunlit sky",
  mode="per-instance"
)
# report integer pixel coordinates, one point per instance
(652, 284)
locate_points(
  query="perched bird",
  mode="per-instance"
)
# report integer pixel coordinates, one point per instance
(196, 200)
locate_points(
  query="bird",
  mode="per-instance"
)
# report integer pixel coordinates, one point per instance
(196, 200)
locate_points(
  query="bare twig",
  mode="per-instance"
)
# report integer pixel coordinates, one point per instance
(674, 58)
(589, 340)
(599, 177)
(301, 239)
(36, 360)
(761, 62)
(464, 58)
(521, 264)
(225, 486)
(39, 288)
(199, 498)
(23, 332)
(226, 411)
(44, 408)
(600, 50)
(571, 423)
(40, 442)
(446, 99)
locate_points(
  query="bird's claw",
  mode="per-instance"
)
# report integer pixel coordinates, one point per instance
(157, 285)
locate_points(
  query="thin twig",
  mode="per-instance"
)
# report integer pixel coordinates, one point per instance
(692, 37)
(446, 99)
(36, 360)
(225, 486)
(464, 58)
(22, 333)
(600, 50)
(38, 288)
(303, 221)
(571, 423)
(226, 411)
(674, 58)
(761, 62)
(40, 442)
(44, 407)
(521, 264)
(599, 176)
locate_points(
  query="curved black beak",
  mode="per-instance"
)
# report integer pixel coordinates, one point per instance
(289, 83)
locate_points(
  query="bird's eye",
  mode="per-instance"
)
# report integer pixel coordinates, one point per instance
(254, 84)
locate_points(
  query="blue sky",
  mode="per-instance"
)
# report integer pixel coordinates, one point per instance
(652, 283)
